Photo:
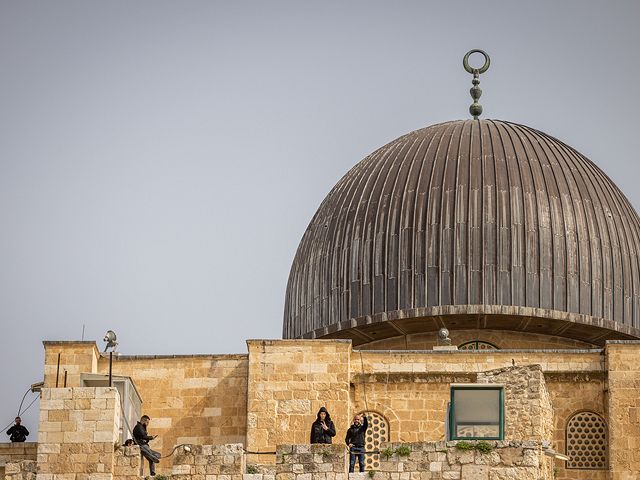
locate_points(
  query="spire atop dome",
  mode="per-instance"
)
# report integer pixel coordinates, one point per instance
(476, 91)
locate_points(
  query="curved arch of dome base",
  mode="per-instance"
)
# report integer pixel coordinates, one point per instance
(384, 325)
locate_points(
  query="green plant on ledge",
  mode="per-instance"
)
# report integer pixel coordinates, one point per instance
(403, 451)
(372, 473)
(484, 447)
(464, 446)
(161, 477)
(556, 470)
(325, 453)
(251, 468)
(388, 452)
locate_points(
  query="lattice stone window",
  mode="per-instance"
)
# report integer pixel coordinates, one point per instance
(587, 441)
(377, 433)
(477, 345)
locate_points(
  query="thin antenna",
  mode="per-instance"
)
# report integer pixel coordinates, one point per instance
(83, 332)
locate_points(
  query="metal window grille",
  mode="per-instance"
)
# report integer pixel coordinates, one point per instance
(587, 441)
(377, 433)
(477, 345)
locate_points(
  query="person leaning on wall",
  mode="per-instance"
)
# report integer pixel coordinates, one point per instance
(323, 428)
(141, 437)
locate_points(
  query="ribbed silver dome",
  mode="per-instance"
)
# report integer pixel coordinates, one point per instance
(466, 214)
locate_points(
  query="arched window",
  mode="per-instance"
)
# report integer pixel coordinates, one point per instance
(377, 433)
(587, 441)
(477, 345)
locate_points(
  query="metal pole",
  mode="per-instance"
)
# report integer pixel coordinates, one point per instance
(58, 371)
(110, 368)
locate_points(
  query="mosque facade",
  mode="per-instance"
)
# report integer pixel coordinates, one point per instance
(472, 281)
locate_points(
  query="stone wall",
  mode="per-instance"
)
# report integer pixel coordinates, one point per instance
(193, 399)
(516, 460)
(75, 358)
(210, 462)
(127, 463)
(21, 470)
(571, 394)
(272, 394)
(411, 389)
(14, 452)
(317, 462)
(623, 366)
(528, 412)
(199, 399)
(289, 380)
(78, 429)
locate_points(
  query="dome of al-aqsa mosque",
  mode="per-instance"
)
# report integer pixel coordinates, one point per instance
(481, 225)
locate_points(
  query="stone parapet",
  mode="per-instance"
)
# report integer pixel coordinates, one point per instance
(517, 460)
(317, 462)
(127, 463)
(13, 452)
(210, 462)
(20, 470)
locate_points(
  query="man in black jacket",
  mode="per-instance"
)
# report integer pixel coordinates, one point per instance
(18, 432)
(322, 429)
(355, 440)
(141, 438)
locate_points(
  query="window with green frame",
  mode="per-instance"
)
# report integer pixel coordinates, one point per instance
(477, 411)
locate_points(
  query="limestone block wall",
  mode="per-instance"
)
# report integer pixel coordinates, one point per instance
(271, 396)
(516, 460)
(199, 399)
(193, 399)
(75, 358)
(411, 389)
(289, 380)
(223, 462)
(623, 368)
(14, 452)
(78, 429)
(528, 412)
(571, 393)
(306, 462)
(20, 470)
(127, 461)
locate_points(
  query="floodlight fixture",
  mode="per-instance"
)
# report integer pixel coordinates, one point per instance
(443, 336)
(110, 338)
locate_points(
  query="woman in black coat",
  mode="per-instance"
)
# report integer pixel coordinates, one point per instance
(322, 429)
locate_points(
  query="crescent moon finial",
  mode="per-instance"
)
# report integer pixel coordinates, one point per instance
(476, 109)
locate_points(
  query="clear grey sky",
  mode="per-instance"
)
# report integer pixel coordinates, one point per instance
(160, 161)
